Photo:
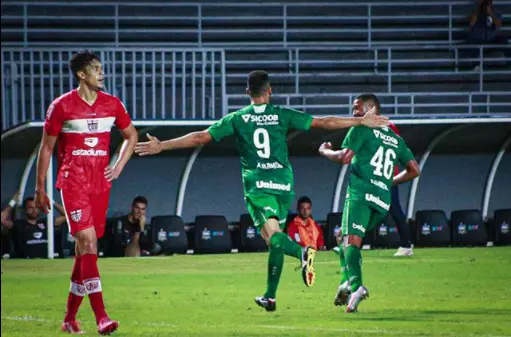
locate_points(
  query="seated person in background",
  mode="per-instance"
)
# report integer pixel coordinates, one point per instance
(29, 234)
(131, 229)
(303, 229)
(485, 27)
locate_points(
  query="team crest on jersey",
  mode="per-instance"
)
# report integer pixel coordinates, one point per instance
(92, 124)
(41, 225)
(76, 215)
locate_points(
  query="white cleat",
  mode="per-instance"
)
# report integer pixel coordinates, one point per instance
(355, 298)
(404, 252)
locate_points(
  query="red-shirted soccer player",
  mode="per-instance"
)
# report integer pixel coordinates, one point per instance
(81, 121)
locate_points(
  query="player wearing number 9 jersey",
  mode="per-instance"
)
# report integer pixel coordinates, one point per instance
(373, 154)
(260, 130)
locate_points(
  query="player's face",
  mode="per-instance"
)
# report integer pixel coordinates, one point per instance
(304, 210)
(93, 75)
(359, 108)
(31, 210)
(138, 210)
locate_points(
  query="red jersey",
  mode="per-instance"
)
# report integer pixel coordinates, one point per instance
(83, 133)
(393, 127)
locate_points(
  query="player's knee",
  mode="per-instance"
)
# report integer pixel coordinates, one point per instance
(354, 240)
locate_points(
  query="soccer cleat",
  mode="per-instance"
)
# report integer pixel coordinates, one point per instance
(404, 252)
(355, 298)
(107, 326)
(343, 294)
(267, 303)
(308, 272)
(72, 327)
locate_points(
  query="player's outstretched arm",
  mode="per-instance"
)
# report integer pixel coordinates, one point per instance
(342, 157)
(411, 172)
(332, 123)
(43, 162)
(155, 146)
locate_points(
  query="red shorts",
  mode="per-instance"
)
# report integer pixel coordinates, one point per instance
(85, 210)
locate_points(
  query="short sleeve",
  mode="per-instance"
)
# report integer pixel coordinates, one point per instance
(353, 139)
(405, 155)
(298, 120)
(122, 119)
(222, 128)
(54, 120)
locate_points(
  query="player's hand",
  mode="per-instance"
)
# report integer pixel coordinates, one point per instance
(112, 173)
(153, 146)
(325, 146)
(374, 121)
(42, 202)
(142, 223)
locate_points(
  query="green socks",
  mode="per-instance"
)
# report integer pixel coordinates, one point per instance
(290, 247)
(344, 268)
(280, 244)
(275, 264)
(354, 264)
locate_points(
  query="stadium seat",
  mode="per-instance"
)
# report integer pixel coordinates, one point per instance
(467, 228)
(432, 229)
(169, 233)
(386, 234)
(212, 235)
(251, 241)
(500, 228)
(333, 225)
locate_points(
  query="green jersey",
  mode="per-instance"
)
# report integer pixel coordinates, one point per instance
(261, 132)
(377, 151)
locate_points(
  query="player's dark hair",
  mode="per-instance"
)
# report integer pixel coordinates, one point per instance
(258, 82)
(370, 98)
(302, 200)
(25, 202)
(81, 60)
(140, 199)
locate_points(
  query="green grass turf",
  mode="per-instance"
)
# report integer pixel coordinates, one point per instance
(438, 292)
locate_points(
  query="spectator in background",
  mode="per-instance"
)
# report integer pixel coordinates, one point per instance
(485, 27)
(29, 234)
(303, 229)
(132, 231)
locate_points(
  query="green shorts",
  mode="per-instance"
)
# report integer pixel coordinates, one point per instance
(261, 207)
(358, 218)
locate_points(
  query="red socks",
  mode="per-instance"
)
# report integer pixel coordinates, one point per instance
(76, 292)
(92, 284)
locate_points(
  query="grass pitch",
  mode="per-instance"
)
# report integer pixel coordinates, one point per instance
(437, 292)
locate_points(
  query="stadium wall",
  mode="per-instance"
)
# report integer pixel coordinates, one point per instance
(449, 182)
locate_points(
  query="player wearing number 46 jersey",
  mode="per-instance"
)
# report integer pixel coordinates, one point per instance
(80, 121)
(260, 130)
(373, 154)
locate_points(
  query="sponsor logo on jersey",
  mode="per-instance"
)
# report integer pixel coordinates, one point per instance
(91, 141)
(273, 186)
(92, 125)
(388, 140)
(261, 119)
(380, 184)
(90, 152)
(376, 200)
(76, 215)
(358, 227)
(37, 235)
(269, 166)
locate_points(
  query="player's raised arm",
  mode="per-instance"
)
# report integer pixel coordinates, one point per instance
(332, 123)
(155, 146)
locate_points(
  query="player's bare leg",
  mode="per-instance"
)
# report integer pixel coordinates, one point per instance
(88, 247)
(354, 265)
(76, 294)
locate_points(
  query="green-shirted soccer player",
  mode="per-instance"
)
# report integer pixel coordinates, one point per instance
(261, 130)
(373, 153)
